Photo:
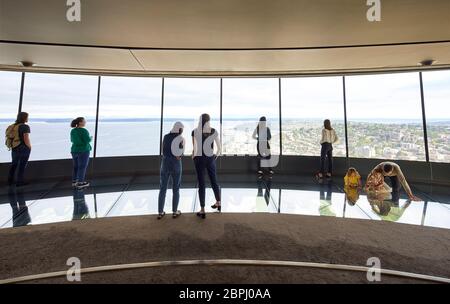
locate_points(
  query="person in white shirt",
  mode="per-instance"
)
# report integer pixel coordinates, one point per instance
(329, 137)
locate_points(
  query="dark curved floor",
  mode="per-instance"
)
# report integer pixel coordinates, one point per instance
(45, 248)
(287, 218)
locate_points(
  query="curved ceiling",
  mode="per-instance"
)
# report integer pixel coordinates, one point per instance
(202, 37)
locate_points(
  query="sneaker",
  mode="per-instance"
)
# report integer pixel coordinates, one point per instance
(74, 184)
(260, 172)
(271, 172)
(83, 185)
(176, 214)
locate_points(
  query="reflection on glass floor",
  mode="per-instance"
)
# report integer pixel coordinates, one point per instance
(131, 200)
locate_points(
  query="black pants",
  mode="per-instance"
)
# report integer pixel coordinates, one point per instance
(261, 156)
(396, 185)
(202, 164)
(326, 155)
(20, 156)
(21, 216)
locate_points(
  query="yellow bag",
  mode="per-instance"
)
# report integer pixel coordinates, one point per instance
(12, 136)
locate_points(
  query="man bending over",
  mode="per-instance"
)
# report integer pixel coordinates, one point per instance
(375, 180)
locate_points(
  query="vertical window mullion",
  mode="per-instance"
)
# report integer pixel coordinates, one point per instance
(424, 119)
(97, 111)
(279, 115)
(345, 116)
(22, 84)
(162, 117)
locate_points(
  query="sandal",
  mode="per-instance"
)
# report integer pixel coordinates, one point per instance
(201, 214)
(217, 206)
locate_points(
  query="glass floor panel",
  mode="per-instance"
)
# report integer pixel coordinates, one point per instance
(437, 215)
(141, 202)
(59, 205)
(242, 200)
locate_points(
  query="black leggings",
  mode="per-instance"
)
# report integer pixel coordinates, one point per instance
(266, 155)
(207, 163)
(396, 185)
(326, 154)
(20, 156)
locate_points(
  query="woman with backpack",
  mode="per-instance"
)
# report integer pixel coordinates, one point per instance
(18, 141)
(80, 150)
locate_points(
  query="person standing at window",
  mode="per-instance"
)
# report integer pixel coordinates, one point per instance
(81, 148)
(18, 140)
(203, 139)
(171, 167)
(263, 136)
(329, 137)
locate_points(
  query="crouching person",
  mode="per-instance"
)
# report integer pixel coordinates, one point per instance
(171, 167)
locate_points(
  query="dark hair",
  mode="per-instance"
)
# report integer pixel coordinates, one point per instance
(327, 124)
(22, 117)
(205, 118)
(351, 170)
(387, 168)
(384, 207)
(263, 118)
(76, 122)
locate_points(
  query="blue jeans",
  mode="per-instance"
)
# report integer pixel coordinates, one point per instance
(170, 167)
(80, 208)
(20, 156)
(80, 164)
(207, 163)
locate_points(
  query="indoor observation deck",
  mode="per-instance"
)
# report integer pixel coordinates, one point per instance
(286, 218)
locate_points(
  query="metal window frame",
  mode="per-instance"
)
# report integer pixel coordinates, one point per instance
(22, 84)
(162, 116)
(220, 113)
(344, 93)
(280, 118)
(97, 110)
(424, 121)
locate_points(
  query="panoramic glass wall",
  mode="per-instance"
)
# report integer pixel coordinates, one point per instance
(185, 99)
(129, 116)
(385, 116)
(9, 104)
(52, 101)
(305, 103)
(437, 97)
(384, 112)
(245, 100)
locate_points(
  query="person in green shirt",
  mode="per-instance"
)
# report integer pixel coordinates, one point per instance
(81, 148)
